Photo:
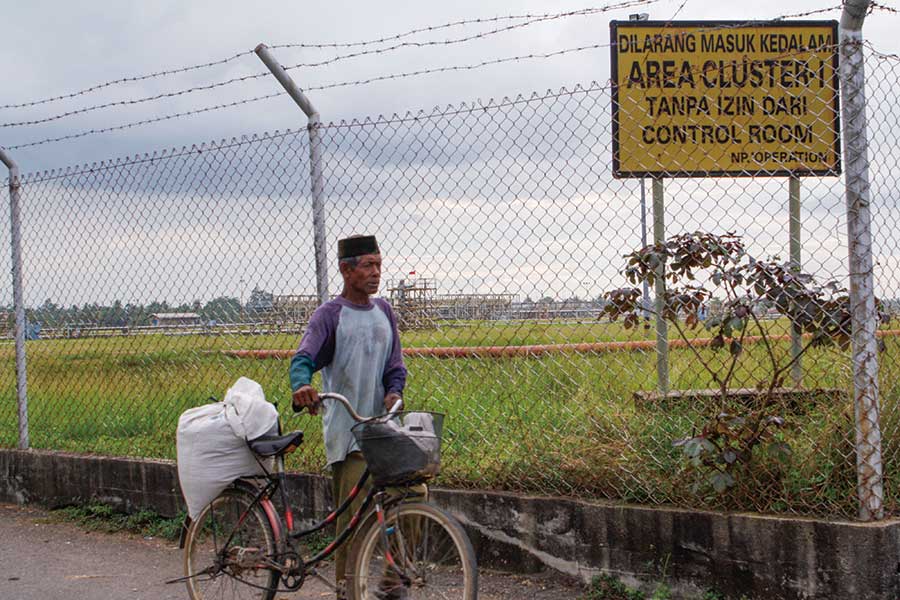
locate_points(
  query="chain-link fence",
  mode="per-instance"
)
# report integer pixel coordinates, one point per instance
(148, 279)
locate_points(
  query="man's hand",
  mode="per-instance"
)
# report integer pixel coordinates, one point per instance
(307, 397)
(390, 400)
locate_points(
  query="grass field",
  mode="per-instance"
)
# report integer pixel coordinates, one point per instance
(559, 424)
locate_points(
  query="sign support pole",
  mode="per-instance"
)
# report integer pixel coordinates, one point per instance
(662, 336)
(795, 249)
(645, 298)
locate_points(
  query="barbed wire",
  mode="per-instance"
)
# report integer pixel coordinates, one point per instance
(878, 54)
(696, 69)
(534, 17)
(594, 86)
(430, 29)
(677, 11)
(809, 13)
(166, 95)
(132, 79)
(162, 96)
(199, 88)
(495, 61)
(433, 28)
(366, 81)
(873, 6)
(484, 34)
(313, 88)
(144, 122)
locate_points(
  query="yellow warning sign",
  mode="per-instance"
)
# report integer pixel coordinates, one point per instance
(720, 98)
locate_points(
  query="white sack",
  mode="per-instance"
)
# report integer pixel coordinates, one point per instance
(210, 452)
(247, 411)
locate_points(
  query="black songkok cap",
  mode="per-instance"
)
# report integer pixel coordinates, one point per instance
(357, 245)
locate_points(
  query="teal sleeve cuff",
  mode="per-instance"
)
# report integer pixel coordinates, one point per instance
(301, 371)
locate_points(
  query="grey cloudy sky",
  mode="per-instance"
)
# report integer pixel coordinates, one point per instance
(54, 47)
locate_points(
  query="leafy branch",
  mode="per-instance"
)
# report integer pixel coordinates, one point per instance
(701, 269)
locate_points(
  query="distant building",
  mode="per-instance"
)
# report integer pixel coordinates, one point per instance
(174, 319)
(291, 309)
(260, 301)
(413, 302)
(474, 307)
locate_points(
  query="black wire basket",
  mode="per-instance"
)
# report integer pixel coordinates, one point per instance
(403, 449)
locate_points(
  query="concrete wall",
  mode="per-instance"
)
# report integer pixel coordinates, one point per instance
(738, 554)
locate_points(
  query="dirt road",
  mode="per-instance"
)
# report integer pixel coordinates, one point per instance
(44, 559)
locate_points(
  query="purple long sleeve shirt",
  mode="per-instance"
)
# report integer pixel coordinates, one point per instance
(357, 348)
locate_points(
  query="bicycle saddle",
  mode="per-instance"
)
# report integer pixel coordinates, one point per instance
(274, 445)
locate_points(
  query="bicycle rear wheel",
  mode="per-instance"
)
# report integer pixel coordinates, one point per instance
(241, 570)
(433, 556)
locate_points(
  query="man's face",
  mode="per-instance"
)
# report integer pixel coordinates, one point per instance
(366, 276)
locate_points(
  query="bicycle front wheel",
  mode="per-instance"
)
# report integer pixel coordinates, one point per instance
(229, 550)
(431, 553)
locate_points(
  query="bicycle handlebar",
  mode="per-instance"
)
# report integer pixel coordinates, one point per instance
(356, 417)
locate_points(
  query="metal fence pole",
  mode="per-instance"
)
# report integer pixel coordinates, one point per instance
(662, 336)
(315, 156)
(18, 302)
(795, 250)
(869, 466)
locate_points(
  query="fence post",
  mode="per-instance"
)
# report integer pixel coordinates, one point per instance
(315, 157)
(864, 320)
(662, 335)
(795, 258)
(18, 302)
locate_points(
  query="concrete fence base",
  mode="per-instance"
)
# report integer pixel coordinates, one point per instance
(736, 554)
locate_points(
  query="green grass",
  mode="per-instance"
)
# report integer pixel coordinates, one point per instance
(102, 517)
(607, 587)
(560, 424)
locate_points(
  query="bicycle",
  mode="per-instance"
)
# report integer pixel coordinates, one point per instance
(241, 546)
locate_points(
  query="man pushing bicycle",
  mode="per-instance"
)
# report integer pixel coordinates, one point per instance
(353, 339)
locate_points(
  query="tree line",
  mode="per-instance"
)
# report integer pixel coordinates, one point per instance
(224, 309)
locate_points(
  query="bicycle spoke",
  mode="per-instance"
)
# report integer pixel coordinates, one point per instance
(432, 556)
(231, 537)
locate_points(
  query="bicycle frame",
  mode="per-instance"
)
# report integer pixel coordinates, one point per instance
(294, 573)
(276, 482)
